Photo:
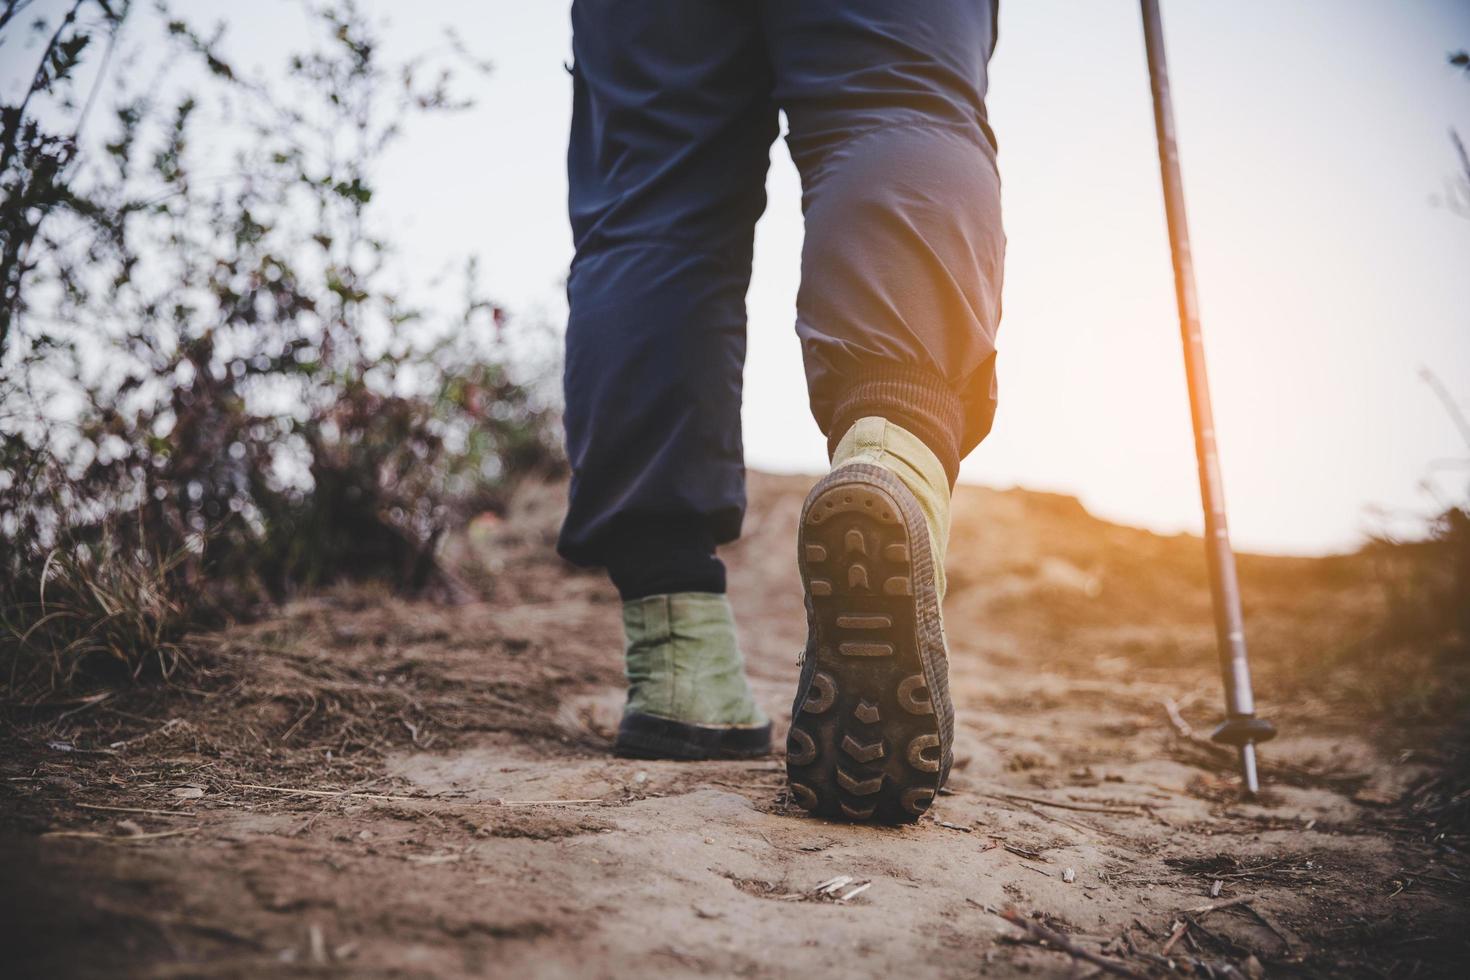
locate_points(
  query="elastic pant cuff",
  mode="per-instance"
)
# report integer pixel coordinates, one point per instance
(664, 558)
(919, 401)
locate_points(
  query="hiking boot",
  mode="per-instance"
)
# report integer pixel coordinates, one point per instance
(872, 726)
(687, 693)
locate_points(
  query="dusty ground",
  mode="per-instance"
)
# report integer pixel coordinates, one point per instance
(465, 818)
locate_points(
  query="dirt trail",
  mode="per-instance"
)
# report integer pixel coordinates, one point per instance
(1073, 796)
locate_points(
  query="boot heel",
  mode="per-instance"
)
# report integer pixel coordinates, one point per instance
(872, 724)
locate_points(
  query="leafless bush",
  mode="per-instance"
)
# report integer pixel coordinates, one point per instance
(214, 392)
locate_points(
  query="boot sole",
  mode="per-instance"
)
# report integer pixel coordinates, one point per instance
(649, 737)
(872, 725)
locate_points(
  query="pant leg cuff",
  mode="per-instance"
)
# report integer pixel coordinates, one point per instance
(916, 399)
(656, 557)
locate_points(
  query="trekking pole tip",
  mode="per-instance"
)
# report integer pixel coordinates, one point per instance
(1248, 773)
(1243, 732)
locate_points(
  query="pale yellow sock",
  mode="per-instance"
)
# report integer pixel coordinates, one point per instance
(877, 441)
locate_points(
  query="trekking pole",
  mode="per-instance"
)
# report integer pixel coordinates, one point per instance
(1241, 727)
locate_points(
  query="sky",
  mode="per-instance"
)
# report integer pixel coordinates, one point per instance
(1314, 141)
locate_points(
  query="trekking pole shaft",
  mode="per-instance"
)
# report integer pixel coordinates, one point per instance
(1224, 587)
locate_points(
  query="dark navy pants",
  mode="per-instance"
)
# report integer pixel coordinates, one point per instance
(674, 112)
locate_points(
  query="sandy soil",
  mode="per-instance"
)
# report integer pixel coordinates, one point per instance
(468, 819)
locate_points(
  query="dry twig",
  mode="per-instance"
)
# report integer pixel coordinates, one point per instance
(1203, 910)
(118, 838)
(390, 798)
(1083, 807)
(1180, 928)
(1042, 934)
(1019, 851)
(136, 809)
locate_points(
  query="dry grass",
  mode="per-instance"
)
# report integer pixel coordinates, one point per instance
(97, 611)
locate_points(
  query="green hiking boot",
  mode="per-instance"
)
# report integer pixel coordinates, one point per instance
(872, 726)
(687, 693)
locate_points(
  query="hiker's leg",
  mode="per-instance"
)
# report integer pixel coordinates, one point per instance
(901, 268)
(899, 303)
(671, 134)
(671, 131)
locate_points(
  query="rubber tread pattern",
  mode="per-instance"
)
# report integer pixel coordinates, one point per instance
(875, 665)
